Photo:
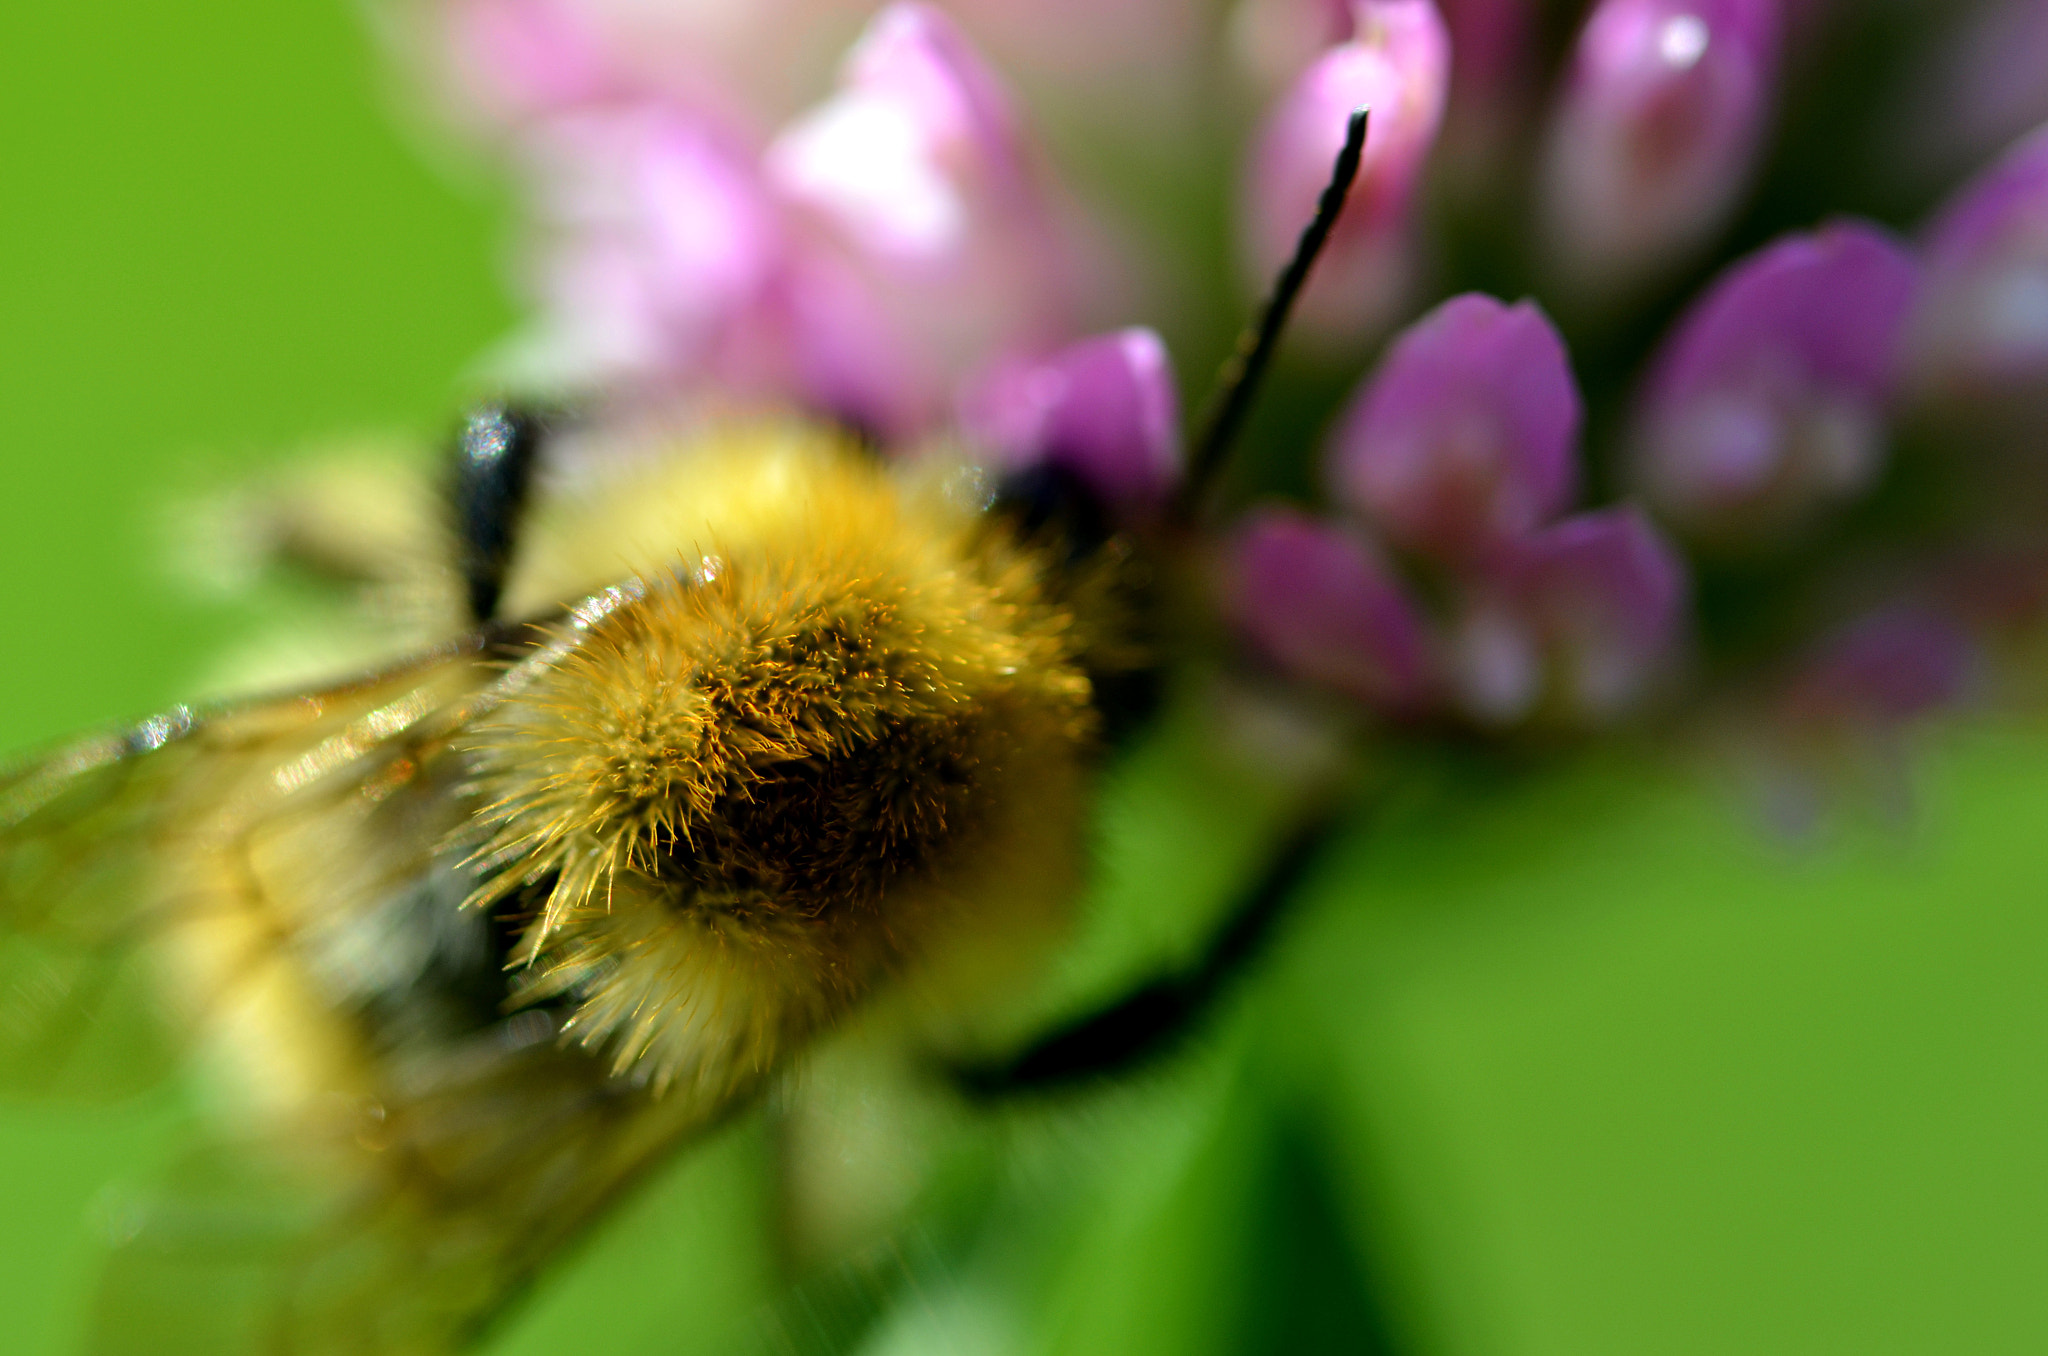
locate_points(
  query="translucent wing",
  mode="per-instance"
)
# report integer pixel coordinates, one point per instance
(77, 1013)
(406, 1228)
(193, 866)
(85, 836)
(408, 1150)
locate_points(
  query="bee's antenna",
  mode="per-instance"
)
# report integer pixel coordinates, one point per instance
(496, 454)
(1238, 381)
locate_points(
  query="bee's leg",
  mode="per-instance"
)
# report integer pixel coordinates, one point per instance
(1151, 1020)
(495, 456)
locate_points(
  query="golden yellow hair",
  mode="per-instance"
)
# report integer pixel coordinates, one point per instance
(840, 704)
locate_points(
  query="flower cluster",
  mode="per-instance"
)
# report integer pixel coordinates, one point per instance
(1461, 452)
(858, 260)
(923, 249)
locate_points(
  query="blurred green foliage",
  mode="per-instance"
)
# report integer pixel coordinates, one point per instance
(1571, 1059)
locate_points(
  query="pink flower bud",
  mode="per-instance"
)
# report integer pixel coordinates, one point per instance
(918, 126)
(1397, 64)
(1983, 321)
(1467, 434)
(1657, 136)
(1106, 409)
(914, 178)
(1578, 620)
(1884, 670)
(1315, 599)
(1768, 401)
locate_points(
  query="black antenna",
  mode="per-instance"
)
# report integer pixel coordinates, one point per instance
(1238, 381)
(496, 454)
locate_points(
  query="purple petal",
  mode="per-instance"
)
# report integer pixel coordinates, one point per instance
(1495, 662)
(1658, 133)
(1983, 323)
(1467, 434)
(1596, 604)
(1768, 400)
(1314, 598)
(910, 185)
(1106, 409)
(1831, 303)
(1885, 669)
(918, 126)
(1398, 66)
(826, 336)
(914, 52)
(658, 237)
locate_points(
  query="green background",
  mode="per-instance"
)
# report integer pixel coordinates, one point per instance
(1581, 1062)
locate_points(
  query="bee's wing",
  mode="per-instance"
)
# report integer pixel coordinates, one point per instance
(409, 1234)
(408, 1153)
(84, 834)
(87, 835)
(76, 1006)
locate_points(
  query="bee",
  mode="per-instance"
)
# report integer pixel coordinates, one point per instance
(735, 741)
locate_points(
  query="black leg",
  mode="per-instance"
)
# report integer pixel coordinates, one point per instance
(495, 454)
(1156, 1017)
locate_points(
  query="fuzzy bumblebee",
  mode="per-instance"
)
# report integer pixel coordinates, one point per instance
(834, 717)
(481, 937)
(744, 732)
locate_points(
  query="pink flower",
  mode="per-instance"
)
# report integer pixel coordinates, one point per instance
(918, 128)
(659, 241)
(1657, 135)
(515, 59)
(1582, 617)
(1983, 324)
(1462, 451)
(1316, 599)
(888, 244)
(917, 177)
(1105, 409)
(1769, 401)
(1397, 64)
(1467, 435)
